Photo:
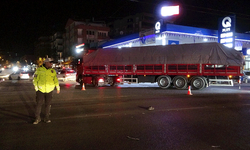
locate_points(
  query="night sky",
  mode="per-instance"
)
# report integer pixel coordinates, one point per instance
(23, 21)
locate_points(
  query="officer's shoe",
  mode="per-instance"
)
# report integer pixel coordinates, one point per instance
(47, 120)
(37, 121)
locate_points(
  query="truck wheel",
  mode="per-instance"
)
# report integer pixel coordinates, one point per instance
(164, 81)
(180, 82)
(198, 83)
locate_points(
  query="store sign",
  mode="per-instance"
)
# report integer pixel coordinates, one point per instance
(172, 42)
(159, 26)
(245, 51)
(226, 31)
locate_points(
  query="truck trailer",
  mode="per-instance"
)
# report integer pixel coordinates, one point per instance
(178, 66)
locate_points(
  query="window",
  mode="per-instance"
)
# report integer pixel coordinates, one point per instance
(102, 34)
(90, 32)
(79, 31)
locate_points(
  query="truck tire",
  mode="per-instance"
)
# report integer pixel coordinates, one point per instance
(164, 81)
(198, 83)
(180, 82)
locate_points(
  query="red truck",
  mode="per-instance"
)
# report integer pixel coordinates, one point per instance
(179, 66)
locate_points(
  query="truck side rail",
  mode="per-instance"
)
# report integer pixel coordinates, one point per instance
(165, 69)
(223, 70)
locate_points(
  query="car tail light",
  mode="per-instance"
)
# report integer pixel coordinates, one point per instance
(101, 80)
(118, 80)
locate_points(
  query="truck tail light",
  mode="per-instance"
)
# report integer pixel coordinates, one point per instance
(118, 80)
(100, 80)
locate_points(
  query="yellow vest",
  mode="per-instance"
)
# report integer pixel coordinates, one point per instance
(45, 80)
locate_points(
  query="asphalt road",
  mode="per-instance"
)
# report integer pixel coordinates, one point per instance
(119, 118)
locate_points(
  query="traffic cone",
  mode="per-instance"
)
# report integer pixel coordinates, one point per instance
(189, 90)
(83, 87)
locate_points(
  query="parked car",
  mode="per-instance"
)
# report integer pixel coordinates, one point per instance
(19, 75)
(66, 75)
(246, 76)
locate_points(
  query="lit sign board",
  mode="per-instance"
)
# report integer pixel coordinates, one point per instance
(159, 26)
(245, 51)
(226, 31)
(248, 51)
(169, 10)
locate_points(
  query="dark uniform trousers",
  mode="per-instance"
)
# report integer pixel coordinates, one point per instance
(40, 98)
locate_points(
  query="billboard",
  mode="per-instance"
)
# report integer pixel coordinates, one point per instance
(226, 31)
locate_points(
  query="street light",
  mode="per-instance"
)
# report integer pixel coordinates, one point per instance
(169, 10)
(80, 48)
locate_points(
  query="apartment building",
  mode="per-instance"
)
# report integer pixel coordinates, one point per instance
(50, 46)
(80, 31)
(43, 47)
(57, 46)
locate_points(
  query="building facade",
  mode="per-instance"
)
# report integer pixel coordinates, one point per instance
(57, 46)
(131, 24)
(78, 32)
(50, 46)
(43, 47)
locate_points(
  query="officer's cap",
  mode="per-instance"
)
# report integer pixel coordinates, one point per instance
(48, 60)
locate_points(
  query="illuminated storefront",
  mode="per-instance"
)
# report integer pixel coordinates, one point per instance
(178, 34)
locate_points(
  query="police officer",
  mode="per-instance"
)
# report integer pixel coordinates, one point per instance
(45, 81)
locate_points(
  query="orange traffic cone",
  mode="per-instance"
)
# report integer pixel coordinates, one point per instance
(189, 90)
(83, 87)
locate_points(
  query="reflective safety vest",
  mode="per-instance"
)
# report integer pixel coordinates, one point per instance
(45, 80)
